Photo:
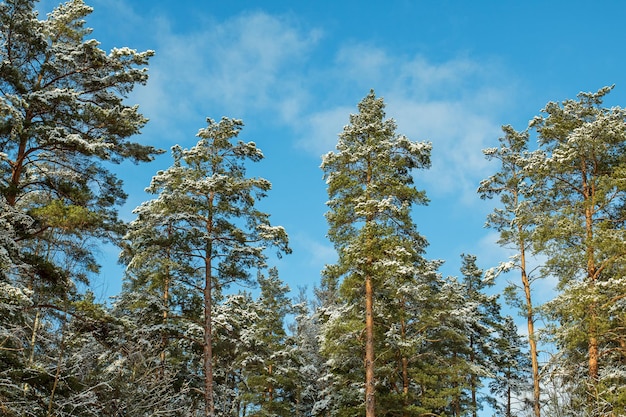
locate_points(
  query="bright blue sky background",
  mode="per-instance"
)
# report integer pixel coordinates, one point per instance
(451, 72)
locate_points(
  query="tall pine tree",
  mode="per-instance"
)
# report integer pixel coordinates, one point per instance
(220, 234)
(63, 119)
(515, 223)
(579, 178)
(370, 185)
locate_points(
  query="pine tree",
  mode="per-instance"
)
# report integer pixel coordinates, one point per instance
(210, 203)
(63, 118)
(370, 181)
(514, 221)
(481, 322)
(423, 338)
(305, 330)
(270, 367)
(234, 343)
(511, 371)
(579, 173)
(63, 114)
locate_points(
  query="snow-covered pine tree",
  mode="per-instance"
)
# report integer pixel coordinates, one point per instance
(63, 118)
(63, 114)
(370, 185)
(417, 365)
(270, 370)
(515, 223)
(481, 321)
(233, 339)
(311, 367)
(580, 190)
(220, 234)
(511, 378)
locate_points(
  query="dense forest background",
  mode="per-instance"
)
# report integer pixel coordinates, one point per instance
(205, 325)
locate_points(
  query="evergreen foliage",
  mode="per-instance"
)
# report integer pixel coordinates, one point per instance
(381, 277)
(203, 327)
(515, 222)
(579, 169)
(63, 118)
(203, 232)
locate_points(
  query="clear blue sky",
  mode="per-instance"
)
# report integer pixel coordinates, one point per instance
(451, 72)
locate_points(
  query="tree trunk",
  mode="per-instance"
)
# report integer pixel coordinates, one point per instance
(594, 352)
(369, 349)
(530, 319)
(164, 338)
(166, 304)
(270, 388)
(591, 277)
(405, 371)
(209, 403)
(473, 382)
(509, 397)
(370, 388)
(16, 172)
(532, 341)
(209, 406)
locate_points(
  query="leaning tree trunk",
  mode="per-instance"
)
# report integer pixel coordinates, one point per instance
(532, 340)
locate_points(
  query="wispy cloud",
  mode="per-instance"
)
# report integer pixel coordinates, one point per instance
(318, 131)
(454, 104)
(257, 63)
(250, 63)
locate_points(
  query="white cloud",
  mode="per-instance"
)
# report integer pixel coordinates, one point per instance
(453, 104)
(322, 129)
(263, 64)
(318, 254)
(251, 63)
(457, 135)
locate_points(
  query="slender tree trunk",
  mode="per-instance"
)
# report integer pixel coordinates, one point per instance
(57, 373)
(166, 288)
(16, 173)
(456, 400)
(405, 370)
(532, 341)
(209, 403)
(593, 345)
(166, 303)
(33, 338)
(530, 320)
(370, 387)
(473, 381)
(369, 349)
(270, 388)
(508, 396)
(591, 277)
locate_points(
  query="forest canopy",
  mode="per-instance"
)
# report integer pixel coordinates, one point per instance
(204, 324)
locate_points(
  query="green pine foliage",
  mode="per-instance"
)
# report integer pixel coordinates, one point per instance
(203, 327)
(201, 234)
(579, 169)
(63, 118)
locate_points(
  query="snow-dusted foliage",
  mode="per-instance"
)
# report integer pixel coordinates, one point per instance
(62, 114)
(516, 223)
(581, 232)
(387, 334)
(200, 234)
(564, 201)
(385, 305)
